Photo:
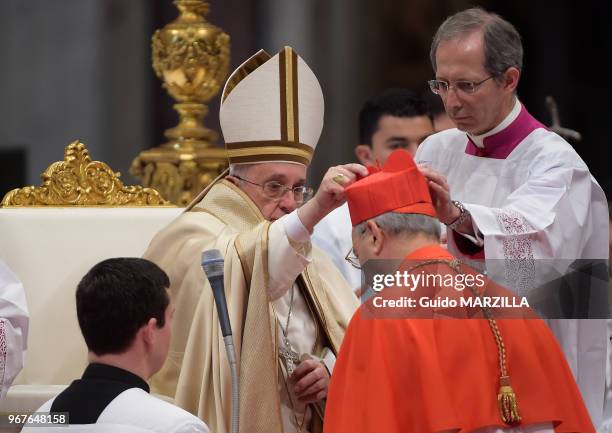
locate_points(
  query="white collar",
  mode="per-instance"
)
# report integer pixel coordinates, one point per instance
(479, 139)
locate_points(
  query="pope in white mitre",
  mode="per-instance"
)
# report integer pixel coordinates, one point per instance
(288, 305)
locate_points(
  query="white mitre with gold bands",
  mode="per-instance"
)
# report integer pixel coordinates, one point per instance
(272, 110)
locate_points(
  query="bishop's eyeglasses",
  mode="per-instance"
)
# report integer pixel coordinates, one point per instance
(441, 87)
(276, 190)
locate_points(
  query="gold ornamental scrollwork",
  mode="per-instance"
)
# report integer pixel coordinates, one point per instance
(79, 181)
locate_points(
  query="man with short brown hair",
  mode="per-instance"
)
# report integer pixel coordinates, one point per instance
(393, 119)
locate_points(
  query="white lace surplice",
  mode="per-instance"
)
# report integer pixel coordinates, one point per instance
(538, 203)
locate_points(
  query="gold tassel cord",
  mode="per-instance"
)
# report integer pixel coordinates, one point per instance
(506, 398)
(506, 401)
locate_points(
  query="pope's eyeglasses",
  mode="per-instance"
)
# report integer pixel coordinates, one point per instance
(276, 190)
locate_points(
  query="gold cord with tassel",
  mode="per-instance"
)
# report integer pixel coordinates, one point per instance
(506, 398)
(506, 402)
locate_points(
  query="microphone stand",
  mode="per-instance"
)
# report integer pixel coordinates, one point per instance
(231, 357)
(213, 266)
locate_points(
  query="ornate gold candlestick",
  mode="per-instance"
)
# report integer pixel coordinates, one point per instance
(191, 56)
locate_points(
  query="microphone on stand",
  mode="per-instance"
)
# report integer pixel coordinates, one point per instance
(213, 266)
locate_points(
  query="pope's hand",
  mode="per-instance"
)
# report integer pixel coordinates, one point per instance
(310, 381)
(330, 194)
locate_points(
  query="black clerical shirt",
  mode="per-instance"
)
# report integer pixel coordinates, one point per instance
(86, 398)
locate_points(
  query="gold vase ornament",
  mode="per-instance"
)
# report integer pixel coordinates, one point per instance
(191, 57)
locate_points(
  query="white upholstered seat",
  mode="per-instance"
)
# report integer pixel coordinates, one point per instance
(50, 236)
